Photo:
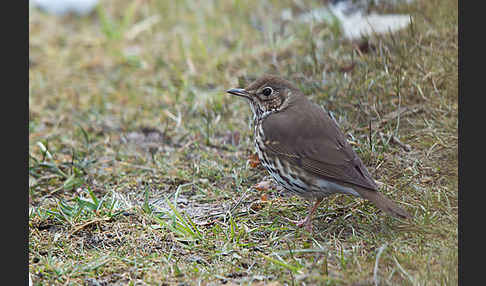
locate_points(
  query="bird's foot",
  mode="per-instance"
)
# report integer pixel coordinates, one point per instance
(305, 223)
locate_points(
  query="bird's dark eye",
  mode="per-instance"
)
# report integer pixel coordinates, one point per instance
(267, 91)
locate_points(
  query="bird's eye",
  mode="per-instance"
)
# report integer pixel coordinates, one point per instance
(267, 91)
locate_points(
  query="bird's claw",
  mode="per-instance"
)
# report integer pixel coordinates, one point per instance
(306, 223)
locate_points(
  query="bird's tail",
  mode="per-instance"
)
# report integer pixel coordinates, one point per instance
(384, 203)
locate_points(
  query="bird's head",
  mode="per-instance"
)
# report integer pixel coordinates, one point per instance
(267, 95)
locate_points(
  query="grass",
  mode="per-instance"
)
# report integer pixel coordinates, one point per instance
(138, 161)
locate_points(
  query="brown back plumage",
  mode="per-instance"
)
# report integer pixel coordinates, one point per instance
(306, 135)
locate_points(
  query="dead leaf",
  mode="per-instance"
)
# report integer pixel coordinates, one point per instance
(253, 160)
(264, 198)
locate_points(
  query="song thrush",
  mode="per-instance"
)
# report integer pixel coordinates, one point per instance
(304, 150)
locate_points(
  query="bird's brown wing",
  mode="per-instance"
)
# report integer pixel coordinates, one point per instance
(307, 136)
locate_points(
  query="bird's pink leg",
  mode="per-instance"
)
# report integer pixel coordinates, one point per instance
(307, 221)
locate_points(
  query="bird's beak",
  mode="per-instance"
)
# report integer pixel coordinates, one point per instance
(239, 92)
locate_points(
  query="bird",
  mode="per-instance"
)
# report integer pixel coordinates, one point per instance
(302, 147)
